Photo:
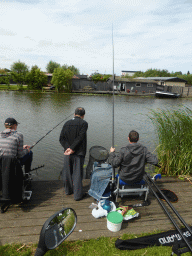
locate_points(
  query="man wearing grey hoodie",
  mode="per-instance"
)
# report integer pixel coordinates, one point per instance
(131, 159)
(11, 144)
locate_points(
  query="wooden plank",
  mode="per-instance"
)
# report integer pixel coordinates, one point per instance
(22, 223)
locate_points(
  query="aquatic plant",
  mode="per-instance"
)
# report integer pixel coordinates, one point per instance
(174, 130)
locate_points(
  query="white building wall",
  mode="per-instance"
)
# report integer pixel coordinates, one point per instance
(129, 73)
(182, 84)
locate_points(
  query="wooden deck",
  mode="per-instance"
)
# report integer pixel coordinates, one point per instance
(22, 223)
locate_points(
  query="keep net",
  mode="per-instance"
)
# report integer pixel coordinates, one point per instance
(96, 154)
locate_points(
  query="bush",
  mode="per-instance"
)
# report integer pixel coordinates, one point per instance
(36, 79)
(62, 79)
(99, 77)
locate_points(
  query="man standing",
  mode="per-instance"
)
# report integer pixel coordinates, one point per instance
(11, 144)
(132, 159)
(73, 138)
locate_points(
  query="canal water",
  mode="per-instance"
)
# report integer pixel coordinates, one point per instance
(38, 113)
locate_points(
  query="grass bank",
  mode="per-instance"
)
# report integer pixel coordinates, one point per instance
(99, 247)
(174, 129)
(12, 87)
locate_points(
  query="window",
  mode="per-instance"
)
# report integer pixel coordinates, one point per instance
(149, 85)
(137, 85)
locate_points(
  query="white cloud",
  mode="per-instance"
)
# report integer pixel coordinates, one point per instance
(147, 34)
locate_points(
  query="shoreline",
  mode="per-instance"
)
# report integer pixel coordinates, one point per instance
(82, 92)
(91, 93)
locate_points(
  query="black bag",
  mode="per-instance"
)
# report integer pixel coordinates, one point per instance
(166, 238)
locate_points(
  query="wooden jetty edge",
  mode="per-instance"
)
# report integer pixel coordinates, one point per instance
(22, 223)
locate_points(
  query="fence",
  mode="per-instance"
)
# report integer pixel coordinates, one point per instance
(184, 91)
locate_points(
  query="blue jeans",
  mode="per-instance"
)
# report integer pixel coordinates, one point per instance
(26, 160)
(100, 178)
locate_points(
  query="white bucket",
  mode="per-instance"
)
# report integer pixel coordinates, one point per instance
(114, 221)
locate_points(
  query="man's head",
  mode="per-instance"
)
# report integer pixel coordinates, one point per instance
(133, 136)
(80, 112)
(10, 123)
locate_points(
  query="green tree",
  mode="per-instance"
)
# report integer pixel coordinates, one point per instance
(5, 78)
(3, 71)
(96, 77)
(19, 71)
(62, 79)
(188, 78)
(51, 66)
(177, 73)
(156, 73)
(36, 79)
(65, 67)
(72, 68)
(138, 74)
(35, 67)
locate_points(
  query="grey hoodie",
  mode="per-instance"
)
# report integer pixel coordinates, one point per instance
(131, 160)
(11, 144)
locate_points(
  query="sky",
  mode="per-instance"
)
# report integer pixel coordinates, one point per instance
(146, 34)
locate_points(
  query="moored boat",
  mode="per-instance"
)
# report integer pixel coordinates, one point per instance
(166, 94)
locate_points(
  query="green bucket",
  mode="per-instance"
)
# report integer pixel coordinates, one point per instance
(114, 221)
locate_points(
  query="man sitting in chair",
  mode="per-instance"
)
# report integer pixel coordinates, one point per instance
(13, 154)
(11, 144)
(132, 159)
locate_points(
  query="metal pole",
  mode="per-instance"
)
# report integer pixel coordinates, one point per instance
(168, 214)
(170, 205)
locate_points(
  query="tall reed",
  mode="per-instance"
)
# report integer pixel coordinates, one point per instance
(174, 130)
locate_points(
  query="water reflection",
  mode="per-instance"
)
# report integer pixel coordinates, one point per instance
(38, 113)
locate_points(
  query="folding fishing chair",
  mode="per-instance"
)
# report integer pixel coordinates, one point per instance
(123, 188)
(14, 182)
(100, 171)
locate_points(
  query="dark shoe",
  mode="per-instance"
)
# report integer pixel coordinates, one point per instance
(2, 199)
(83, 196)
(69, 194)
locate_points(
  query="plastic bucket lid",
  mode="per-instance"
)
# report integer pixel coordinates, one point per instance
(114, 217)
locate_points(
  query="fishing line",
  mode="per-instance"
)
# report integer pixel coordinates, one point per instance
(50, 131)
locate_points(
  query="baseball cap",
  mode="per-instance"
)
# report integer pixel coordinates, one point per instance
(10, 121)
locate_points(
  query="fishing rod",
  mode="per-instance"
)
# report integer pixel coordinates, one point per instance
(167, 212)
(113, 117)
(50, 131)
(113, 124)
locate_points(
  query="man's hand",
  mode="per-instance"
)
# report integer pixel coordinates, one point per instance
(112, 149)
(68, 152)
(26, 147)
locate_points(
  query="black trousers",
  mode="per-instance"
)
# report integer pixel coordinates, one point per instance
(73, 175)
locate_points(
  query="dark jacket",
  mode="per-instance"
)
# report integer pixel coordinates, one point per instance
(11, 178)
(74, 135)
(131, 160)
